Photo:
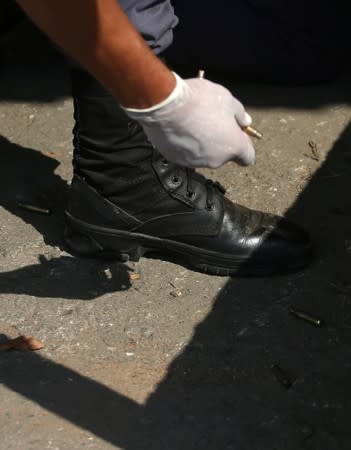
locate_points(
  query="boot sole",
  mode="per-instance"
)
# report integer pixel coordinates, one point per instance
(89, 240)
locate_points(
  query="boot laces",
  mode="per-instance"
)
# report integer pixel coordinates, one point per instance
(211, 186)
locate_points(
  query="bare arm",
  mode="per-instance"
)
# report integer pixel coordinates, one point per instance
(194, 123)
(98, 34)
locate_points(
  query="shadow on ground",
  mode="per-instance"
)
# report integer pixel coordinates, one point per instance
(220, 393)
(40, 186)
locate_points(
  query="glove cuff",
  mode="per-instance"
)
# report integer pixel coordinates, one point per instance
(138, 113)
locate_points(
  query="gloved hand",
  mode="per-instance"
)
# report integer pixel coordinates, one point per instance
(198, 125)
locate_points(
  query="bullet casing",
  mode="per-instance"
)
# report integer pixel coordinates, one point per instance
(253, 132)
(307, 317)
(35, 209)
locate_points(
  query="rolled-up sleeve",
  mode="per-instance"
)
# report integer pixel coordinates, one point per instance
(154, 19)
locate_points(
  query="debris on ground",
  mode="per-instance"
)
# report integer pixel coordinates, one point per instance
(21, 343)
(315, 155)
(281, 376)
(134, 276)
(176, 293)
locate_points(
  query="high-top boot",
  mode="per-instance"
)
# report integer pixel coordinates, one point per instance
(126, 201)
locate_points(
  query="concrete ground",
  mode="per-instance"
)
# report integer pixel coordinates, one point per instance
(175, 359)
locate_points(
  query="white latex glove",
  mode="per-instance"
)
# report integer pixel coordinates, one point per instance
(198, 125)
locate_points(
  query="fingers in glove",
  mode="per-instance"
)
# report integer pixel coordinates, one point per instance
(241, 116)
(246, 156)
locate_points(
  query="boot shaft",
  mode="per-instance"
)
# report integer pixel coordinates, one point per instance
(113, 155)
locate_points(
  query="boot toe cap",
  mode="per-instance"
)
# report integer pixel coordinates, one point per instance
(282, 244)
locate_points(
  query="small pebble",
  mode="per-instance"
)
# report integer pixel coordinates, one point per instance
(175, 293)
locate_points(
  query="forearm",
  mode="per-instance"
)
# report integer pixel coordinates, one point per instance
(100, 37)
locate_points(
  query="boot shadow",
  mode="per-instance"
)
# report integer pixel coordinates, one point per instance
(53, 278)
(29, 176)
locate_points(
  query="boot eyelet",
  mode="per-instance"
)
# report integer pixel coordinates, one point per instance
(210, 207)
(165, 163)
(176, 180)
(190, 195)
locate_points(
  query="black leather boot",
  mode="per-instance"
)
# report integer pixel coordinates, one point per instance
(126, 201)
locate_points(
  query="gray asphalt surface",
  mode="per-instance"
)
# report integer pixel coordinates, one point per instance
(175, 359)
